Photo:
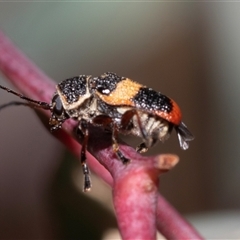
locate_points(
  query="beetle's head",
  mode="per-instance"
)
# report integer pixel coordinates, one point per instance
(59, 114)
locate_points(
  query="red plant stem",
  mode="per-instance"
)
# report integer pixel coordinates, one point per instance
(135, 187)
(173, 229)
(30, 80)
(22, 73)
(139, 207)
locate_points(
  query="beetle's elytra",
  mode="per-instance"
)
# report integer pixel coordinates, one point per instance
(117, 104)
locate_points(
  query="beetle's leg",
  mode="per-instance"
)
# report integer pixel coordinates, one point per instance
(83, 127)
(107, 121)
(143, 131)
(115, 146)
(142, 148)
(102, 120)
(127, 116)
(126, 123)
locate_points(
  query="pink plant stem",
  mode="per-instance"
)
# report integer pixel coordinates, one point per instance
(173, 226)
(139, 206)
(30, 80)
(135, 187)
(22, 73)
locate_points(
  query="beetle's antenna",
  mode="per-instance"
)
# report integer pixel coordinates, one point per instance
(32, 102)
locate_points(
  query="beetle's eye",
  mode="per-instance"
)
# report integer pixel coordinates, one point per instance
(57, 105)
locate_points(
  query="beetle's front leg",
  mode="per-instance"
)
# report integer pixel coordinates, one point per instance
(83, 127)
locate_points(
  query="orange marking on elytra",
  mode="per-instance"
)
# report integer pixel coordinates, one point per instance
(122, 95)
(174, 116)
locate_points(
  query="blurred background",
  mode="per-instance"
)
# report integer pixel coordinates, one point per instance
(188, 51)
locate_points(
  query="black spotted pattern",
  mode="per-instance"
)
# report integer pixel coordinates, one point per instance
(73, 88)
(107, 82)
(150, 100)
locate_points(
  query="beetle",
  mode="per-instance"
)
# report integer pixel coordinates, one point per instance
(117, 104)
